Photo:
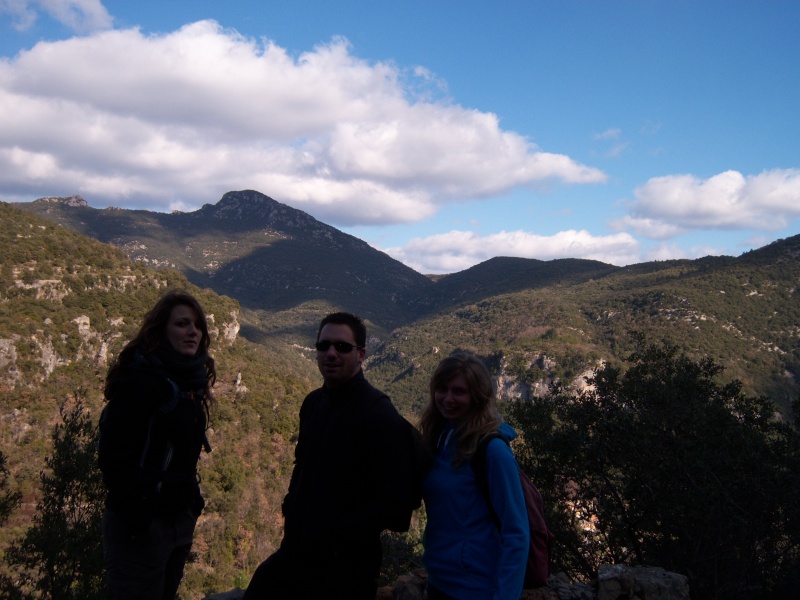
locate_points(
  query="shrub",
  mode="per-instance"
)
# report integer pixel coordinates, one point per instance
(662, 465)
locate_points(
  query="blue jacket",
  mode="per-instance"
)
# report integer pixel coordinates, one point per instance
(466, 555)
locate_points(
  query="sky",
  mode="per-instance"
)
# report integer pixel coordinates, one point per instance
(442, 132)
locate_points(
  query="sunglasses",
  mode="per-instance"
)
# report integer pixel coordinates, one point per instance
(341, 347)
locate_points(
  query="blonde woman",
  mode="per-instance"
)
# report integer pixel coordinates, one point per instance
(468, 554)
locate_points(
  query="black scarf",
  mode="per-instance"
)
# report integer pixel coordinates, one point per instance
(189, 372)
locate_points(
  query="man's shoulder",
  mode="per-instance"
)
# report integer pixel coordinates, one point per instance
(361, 389)
(373, 393)
(315, 393)
(357, 389)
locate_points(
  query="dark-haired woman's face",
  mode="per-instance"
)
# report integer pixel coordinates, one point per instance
(452, 398)
(183, 330)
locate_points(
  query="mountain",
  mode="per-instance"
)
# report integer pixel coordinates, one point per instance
(75, 282)
(263, 253)
(536, 321)
(503, 275)
(68, 303)
(741, 312)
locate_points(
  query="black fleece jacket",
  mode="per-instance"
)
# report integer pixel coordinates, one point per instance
(352, 473)
(149, 448)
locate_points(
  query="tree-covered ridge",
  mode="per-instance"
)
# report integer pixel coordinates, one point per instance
(264, 253)
(743, 312)
(535, 323)
(67, 305)
(661, 462)
(538, 320)
(67, 297)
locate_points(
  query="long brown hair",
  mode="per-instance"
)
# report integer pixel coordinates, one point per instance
(153, 332)
(481, 416)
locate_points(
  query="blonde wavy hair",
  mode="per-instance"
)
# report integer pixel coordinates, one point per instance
(481, 417)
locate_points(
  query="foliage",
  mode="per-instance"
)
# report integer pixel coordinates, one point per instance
(251, 247)
(402, 552)
(68, 303)
(60, 556)
(61, 334)
(9, 499)
(661, 465)
(9, 502)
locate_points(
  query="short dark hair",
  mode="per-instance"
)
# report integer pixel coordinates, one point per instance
(355, 324)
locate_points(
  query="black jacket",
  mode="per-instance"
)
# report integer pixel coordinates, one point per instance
(151, 435)
(352, 473)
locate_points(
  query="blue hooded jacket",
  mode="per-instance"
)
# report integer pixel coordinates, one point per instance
(466, 555)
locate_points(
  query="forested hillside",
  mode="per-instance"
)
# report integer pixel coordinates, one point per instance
(535, 321)
(743, 312)
(275, 260)
(67, 305)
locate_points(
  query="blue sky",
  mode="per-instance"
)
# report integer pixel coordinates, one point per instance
(441, 132)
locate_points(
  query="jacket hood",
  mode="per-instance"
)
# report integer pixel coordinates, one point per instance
(507, 431)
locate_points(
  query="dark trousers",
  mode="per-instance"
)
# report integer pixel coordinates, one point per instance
(432, 593)
(148, 566)
(287, 575)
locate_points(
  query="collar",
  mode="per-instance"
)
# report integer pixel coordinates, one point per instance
(346, 388)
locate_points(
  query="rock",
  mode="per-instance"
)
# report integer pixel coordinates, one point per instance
(617, 582)
(410, 586)
(614, 582)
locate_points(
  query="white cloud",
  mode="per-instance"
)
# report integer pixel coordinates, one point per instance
(78, 15)
(458, 250)
(616, 150)
(665, 252)
(178, 119)
(609, 134)
(673, 252)
(616, 147)
(650, 228)
(667, 206)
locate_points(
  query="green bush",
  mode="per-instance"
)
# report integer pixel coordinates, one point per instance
(60, 555)
(662, 465)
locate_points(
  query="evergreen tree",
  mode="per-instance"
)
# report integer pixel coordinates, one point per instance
(661, 465)
(9, 501)
(60, 556)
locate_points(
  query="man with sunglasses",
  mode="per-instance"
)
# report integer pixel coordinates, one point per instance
(353, 477)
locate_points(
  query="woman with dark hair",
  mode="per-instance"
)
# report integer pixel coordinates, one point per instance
(473, 551)
(151, 433)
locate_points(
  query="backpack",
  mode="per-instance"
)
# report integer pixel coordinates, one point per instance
(537, 569)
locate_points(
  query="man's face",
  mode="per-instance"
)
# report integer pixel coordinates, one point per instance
(336, 366)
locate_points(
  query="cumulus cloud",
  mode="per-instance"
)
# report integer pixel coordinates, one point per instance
(651, 228)
(673, 251)
(667, 206)
(78, 15)
(131, 119)
(458, 250)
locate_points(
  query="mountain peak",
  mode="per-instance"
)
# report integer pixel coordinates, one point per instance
(251, 207)
(71, 201)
